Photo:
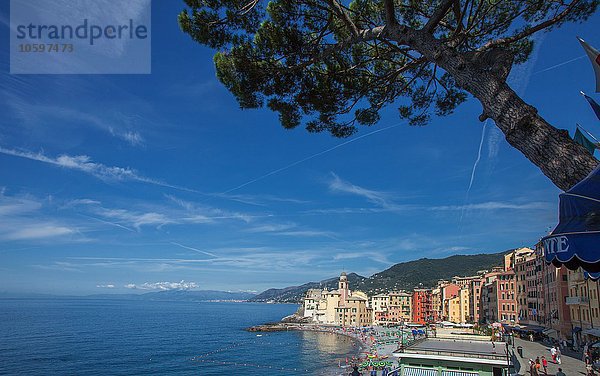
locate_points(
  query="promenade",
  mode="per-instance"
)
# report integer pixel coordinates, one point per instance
(571, 366)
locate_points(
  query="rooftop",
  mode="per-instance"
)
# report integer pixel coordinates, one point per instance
(482, 352)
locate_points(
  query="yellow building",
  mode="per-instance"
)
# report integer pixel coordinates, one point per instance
(459, 307)
(400, 306)
(379, 308)
(584, 305)
(453, 305)
(436, 302)
(338, 307)
(465, 307)
(354, 312)
(520, 258)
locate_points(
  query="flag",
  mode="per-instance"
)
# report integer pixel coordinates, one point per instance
(583, 141)
(594, 56)
(595, 106)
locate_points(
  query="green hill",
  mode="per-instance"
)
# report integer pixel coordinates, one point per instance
(403, 276)
(294, 294)
(426, 272)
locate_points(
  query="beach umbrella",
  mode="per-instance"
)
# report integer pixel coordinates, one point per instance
(575, 242)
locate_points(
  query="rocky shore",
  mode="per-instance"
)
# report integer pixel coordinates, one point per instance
(274, 327)
(291, 322)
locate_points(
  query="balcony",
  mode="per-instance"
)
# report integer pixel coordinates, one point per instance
(578, 300)
(576, 278)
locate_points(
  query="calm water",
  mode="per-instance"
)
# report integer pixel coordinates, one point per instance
(110, 337)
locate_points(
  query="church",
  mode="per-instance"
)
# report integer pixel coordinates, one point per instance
(342, 307)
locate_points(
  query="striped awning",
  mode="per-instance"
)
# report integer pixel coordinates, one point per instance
(459, 373)
(413, 371)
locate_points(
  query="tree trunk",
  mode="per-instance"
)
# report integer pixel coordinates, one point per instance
(560, 158)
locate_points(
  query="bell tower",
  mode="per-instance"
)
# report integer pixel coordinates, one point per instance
(343, 288)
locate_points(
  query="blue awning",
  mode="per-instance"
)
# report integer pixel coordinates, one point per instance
(575, 242)
(592, 276)
(534, 328)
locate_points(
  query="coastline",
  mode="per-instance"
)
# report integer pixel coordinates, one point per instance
(369, 340)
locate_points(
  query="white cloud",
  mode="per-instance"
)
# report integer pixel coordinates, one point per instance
(109, 286)
(156, 215)
(134, 219)
(15, 206)
(82, 201)
(163, 286)
(21, 218)
(379, 198)
(38, 232)
(84, 164)
(307, 233)
(271, 228)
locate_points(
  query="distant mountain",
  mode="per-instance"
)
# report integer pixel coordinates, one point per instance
(197, 296)
(403, 276)
(170, 295)
(294, 294)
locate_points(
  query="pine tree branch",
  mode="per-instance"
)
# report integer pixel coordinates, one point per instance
(527, 32)
(341, 13)
(438, 16)
(390, 12)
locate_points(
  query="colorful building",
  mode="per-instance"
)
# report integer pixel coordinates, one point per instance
(584, 305)
(421, 307)
(338, 307)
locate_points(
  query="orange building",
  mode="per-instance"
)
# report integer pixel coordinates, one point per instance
(422, 311)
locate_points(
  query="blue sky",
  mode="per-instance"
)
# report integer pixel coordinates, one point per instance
(109, 182)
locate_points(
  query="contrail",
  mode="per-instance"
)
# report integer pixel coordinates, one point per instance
(560, 64)
(478, 157)
(519, 81)
(195, 250)
(462, 212)
(107, 222)
(308, 158)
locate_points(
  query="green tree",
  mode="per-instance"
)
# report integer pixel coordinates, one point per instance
(332, 65)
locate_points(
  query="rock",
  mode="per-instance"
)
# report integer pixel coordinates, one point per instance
(295, 318)
(273, 327)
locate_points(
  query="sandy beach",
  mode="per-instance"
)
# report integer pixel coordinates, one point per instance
(374, 343)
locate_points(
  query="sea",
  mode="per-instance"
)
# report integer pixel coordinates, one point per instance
(126, 337)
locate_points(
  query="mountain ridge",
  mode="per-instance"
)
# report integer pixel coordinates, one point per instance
(424, 272)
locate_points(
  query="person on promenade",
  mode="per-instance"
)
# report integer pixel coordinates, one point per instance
(538, 365)
(588, 362)
(532, 367)
(553, 353)
(560, 372)
(355, 371)
(589, 369)
(545, 365)
(558, 356)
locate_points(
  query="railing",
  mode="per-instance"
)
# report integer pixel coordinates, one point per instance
(461, 354)
(577, 300)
